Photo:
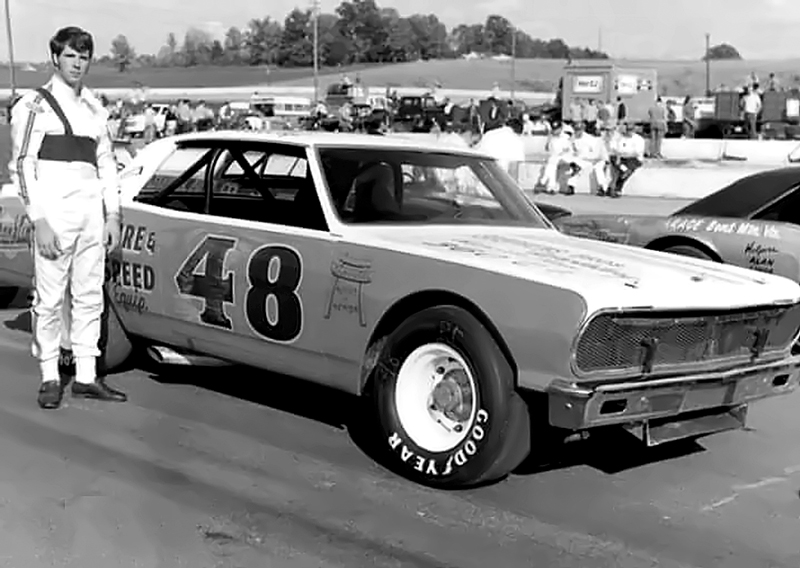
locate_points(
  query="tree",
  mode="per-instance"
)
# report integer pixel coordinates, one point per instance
(263, 41)
(359, 31)
(297, 44)
(197, 47)
(234, 46)
(722, 51)
(122, 52)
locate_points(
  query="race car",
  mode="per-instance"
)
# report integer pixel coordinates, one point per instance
(422, 279)
(753, 222)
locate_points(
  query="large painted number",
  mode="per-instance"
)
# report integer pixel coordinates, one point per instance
(213, 286)
(273, 306)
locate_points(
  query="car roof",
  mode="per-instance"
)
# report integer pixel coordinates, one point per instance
(337, 139)
(747, 195)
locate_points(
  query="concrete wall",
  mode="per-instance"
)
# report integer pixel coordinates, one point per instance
(761, 152)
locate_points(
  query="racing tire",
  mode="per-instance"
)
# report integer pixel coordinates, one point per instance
(447, 412)
(7, 296)
(115, 346)
(688, 250)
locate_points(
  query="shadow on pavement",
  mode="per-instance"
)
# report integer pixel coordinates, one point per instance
(285, 394)
(610, 451)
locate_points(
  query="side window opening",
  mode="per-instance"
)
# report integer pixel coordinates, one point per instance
(269, 185)
(179, 183)
(784, 210)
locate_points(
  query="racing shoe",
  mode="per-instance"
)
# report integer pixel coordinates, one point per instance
(50, 395)
(97, 390)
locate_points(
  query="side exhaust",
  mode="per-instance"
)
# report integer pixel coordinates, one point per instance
(167, 356)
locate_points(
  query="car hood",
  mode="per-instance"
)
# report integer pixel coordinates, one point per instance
(606, 275)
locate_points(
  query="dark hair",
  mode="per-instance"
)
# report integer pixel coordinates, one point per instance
(78, 39)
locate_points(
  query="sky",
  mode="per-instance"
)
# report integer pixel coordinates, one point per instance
(638, 29)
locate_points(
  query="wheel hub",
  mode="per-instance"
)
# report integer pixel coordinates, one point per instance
(452, 394)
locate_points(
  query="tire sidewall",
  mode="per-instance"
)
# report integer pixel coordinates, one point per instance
(478, 451)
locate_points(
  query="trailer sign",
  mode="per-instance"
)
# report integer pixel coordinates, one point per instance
(584, 84)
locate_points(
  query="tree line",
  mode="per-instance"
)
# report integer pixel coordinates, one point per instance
(359, 31)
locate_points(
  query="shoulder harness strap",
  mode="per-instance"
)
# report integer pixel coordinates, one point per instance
(51, 100)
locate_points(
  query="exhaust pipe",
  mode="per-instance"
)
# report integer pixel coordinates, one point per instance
(167, 356)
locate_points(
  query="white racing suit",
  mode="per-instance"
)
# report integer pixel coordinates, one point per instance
(65, 172)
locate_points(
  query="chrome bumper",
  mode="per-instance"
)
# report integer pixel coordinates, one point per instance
(575, 407)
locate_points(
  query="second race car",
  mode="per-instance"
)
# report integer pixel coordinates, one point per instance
(754, 222)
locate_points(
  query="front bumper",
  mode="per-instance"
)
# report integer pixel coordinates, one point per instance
(575, 407)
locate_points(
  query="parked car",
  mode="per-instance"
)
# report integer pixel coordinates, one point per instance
(753, 222)
(422, 279)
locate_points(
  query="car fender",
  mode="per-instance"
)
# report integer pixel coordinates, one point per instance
(698, 241)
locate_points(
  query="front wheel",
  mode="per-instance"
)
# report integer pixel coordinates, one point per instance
(447, 411)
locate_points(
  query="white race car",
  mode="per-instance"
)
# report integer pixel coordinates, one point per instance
(423, 279)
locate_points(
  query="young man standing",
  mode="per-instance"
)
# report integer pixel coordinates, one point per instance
(64, 168)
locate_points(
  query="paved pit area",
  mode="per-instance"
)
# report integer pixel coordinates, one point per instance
(201, 470)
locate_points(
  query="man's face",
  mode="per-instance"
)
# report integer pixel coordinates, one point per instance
(72, 65)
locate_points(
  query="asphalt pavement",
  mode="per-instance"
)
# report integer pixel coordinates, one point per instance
(215, 468)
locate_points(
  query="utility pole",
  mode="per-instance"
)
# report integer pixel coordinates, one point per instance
(316, 49)
(708, 65)
(12, 65)
(513, 60)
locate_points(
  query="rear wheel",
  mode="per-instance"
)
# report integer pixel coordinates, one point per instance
(7, 296)
(115, 345)
(446, 408)
(689, 250)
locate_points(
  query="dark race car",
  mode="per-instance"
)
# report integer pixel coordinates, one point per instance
(754, 222)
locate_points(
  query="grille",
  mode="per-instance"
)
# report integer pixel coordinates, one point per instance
(619, 342)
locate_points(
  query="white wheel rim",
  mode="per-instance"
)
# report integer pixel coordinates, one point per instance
(435, 396)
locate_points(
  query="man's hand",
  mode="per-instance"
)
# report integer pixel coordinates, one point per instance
(111, 235)
(46, 240)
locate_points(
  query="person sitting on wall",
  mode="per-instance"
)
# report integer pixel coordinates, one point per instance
(590, 154)
(627, 156)
(560, 163)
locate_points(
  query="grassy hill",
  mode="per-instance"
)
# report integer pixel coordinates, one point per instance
(675, 77)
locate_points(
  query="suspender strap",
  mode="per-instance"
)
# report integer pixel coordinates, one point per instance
(51, 100)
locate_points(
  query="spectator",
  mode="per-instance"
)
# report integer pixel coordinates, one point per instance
(591, 154)
(561, 153)
(604, 114)
(689, 118)
(752, 107)
(506, 145)
(575, 112)
(589, 118)
(627, 155)
(149, 133)
(658, 127)
(772, 83)
(622, 111)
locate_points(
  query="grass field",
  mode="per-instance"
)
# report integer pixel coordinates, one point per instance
(675, 77)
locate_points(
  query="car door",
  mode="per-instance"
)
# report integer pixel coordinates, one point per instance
(247, 246)
(775, 244)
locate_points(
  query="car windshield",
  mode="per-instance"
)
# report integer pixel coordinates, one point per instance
(408, 186)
